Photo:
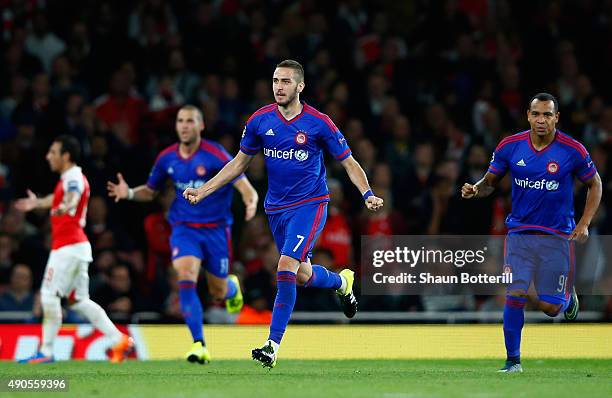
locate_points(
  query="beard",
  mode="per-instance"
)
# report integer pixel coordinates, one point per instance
(288, 99)
(189, 140)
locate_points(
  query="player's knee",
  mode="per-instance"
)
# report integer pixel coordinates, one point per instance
(51, 305)
(286, 263)
(49, 299)
(186, 268)
(185, 273)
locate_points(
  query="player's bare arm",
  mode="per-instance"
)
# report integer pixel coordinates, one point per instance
(121, 190)
(33, 202)
(230, 171)
(249, 197)
(360, 180)
(482, 188)
(581, 232)
(68, 204)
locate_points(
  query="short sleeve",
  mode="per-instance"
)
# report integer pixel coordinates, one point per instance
(73, 182)
(158, 175)
(499, 160)
(584, 168)
(73, 185)
(333, 140)
(251, 142)
(225, 159)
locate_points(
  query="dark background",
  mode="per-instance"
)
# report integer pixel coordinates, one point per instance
(423, 91)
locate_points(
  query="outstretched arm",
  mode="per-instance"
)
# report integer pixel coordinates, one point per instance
(249, 197)
(121, 190)
(360, 180)
(32, 202)
(581, 232)
(230, 171)
(482, 188)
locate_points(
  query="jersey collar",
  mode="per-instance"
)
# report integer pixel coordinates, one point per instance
(546, 147)
(186, 159)
(75, 167)
(293, 119)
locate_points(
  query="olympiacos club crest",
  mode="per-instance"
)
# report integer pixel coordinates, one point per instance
(552, 167)
(301, 138)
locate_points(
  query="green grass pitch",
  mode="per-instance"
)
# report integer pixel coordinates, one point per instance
(574, 378)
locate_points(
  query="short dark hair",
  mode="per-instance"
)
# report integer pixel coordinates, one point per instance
(296, 66)
(545, 97)
(193, 108)
(70, 145)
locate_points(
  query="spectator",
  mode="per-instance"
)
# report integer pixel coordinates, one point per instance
(165, 96)
(157, 230)
(412, 105)
(396, 150)
(19, 295)
(117, 296)
(17, 93)
(8, 247)
(121, 110)
(42, 43)
(171, 307)
(336, 236)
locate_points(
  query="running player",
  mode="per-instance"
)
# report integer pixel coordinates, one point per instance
(543, 163)
(293, 135)
(201, 233)
(66, 274)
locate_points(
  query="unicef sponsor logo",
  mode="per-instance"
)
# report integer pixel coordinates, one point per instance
(543, 184)
(300, 155)
(552, 185)
(181, 186)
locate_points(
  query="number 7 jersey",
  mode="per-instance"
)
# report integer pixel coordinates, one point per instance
(293, 153)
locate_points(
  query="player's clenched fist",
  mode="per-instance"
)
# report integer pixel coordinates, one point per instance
(374, 203)
(193, 195)
(469, 191)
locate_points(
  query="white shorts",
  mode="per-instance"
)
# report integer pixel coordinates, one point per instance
(67, 272)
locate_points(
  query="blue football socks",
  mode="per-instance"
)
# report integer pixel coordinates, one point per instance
(191, 307)
(283, 305)
(323, 278)
(514, 319)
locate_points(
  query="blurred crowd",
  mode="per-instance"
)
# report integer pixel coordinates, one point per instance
(423, 91)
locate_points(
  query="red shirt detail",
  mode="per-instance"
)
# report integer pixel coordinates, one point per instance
(67, 229)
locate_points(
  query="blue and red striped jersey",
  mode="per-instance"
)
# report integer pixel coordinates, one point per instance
(193, 172)
(542, 181)
(293, 152)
